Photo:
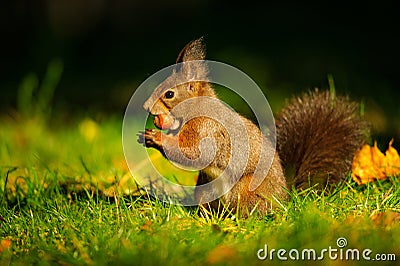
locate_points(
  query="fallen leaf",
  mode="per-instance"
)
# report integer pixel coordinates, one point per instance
(386, 219)
(220, 254)
(5, 244)
(393, 161)
(370, 164)
(147, 226)
(379, 162)
(367, 164)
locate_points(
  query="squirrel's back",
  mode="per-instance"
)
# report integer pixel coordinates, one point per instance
(317, 136)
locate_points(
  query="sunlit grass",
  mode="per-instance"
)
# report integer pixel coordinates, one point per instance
(59, 206)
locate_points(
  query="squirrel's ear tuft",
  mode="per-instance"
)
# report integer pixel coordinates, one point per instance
(195, 50)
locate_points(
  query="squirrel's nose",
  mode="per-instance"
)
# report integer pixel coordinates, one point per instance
(155, 108)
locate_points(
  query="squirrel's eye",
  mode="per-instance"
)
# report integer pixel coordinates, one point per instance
(169, 94)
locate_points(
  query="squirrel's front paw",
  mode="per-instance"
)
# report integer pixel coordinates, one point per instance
(150, 138)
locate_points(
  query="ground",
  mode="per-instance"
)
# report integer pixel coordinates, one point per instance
(67, 197)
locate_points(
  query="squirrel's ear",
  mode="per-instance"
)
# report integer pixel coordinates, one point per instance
(195, 50)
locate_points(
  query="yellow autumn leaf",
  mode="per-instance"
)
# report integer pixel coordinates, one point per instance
(379, 162)
(363, 170)
(370, 164)
(5, 244)
(393, 161)
(221, 254)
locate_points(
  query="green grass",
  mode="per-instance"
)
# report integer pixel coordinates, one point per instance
(62, 204)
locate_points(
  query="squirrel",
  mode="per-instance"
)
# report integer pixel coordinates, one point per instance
(317, 135)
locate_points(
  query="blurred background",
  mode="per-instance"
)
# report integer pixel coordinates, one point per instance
(96, 52)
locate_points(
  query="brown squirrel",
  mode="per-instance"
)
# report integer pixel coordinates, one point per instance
(317, 136)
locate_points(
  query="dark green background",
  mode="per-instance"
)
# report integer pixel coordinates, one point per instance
(109, 47)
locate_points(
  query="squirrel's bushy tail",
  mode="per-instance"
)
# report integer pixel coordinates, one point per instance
(317, 136)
